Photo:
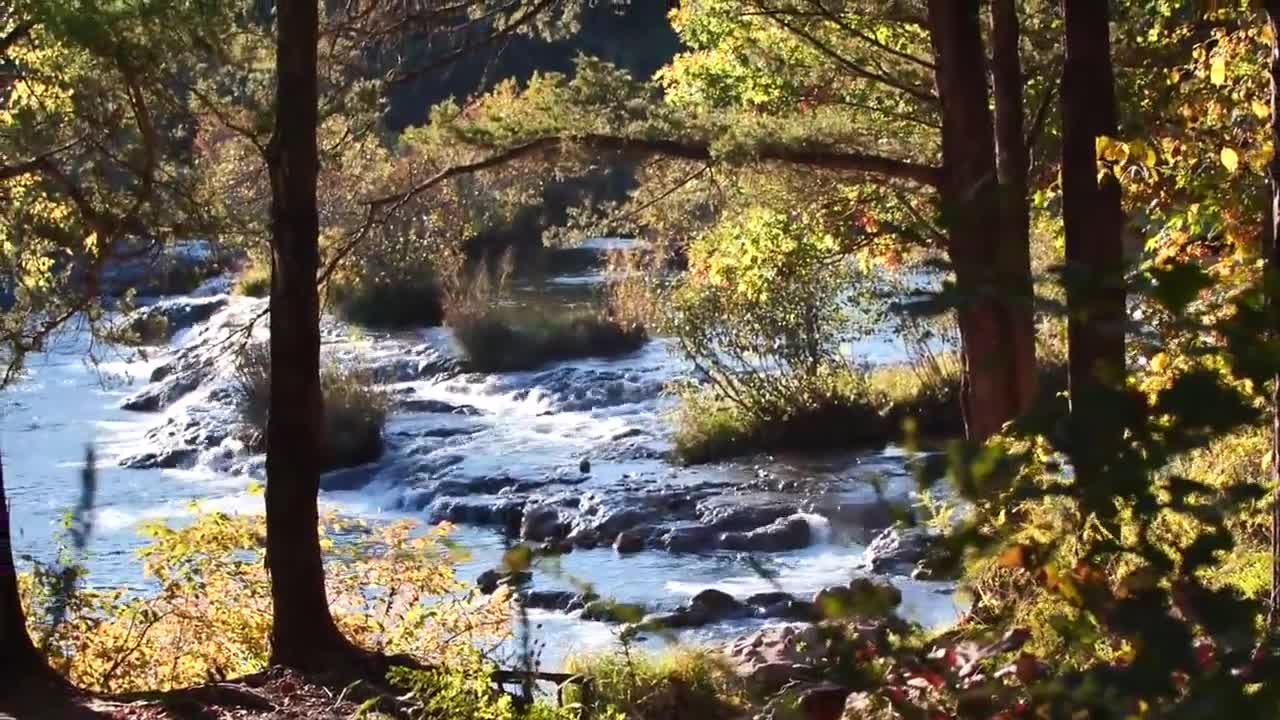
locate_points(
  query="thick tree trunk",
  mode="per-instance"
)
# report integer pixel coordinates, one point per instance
(1013, 163)
(1094, 224)
(1272, 253)
(303, 634)
(999, 362)
(20, 660)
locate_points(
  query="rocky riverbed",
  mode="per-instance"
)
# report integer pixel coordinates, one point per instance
(572, 457)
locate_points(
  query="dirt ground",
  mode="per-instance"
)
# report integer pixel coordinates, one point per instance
(274, 694)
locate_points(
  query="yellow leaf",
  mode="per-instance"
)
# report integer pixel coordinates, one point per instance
(1230, 159)
(1261, 109)
(1218, 72)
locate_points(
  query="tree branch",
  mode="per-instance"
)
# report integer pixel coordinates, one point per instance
(821, 159)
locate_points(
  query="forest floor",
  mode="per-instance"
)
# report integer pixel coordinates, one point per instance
(274, 694)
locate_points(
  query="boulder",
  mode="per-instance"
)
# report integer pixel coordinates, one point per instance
(770, 658)
(689, 539)
(680, 618)
(613, 612)
(910, 551)
(719, 605)
(543, 522)
(558, 600)
(439, 407)
(168, 459)
(158, 323)
(632, 541)
(734, 517)
(490, 580)
(160, 395)
(790, 533)
(862, 598)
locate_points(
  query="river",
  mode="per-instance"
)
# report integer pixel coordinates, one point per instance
(472, 449)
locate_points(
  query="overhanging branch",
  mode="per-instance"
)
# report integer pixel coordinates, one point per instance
(845, 161)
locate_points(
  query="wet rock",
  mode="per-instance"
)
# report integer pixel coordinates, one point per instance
(860, 521)
(160, 395)
(168, 459)
(632, 541)
(680, 618)
(556, 600)
(775, 656)
(613, 612)
(543, 522)
(625, 434)
(348, 479)
(690, 539)
(726, 515)
(766, 599)
(897, 551)
(864, 598)
(437, 407)
(502, 512)
(720, 605)
(158, 323)
(490, 580)
(428, 363)
(791, 533)
(604, 519)
(790, 609)
(584, 467)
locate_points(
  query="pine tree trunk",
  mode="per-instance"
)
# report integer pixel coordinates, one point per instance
(1094, 225)
(19, 658)
(1272, 253)
(303, 633)
(995, 318)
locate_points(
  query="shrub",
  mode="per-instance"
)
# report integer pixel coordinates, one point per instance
(500, 339)
(683, 683)
(254, 280)
(355, 410)
(207, 614)
(390, 304)
(838, 410)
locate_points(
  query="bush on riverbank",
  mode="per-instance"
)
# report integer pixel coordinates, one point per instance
(383, 304)
(844, 408)
(254, 279)
(681, 683)
(355, 410)
(497, 339)
(206, 612)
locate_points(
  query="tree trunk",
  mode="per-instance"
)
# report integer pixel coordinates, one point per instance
(995, 322)
(303, 632)
(19, 658)
(1094, 225)
(1013, 163)
(1272, 256)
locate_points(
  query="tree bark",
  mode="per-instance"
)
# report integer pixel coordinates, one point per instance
(1013, 163)
(1094, 226)
(999, 365)
(1271, 251)
(19, 658)
(303, 633)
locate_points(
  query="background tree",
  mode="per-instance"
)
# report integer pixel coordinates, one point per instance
(1093, 220)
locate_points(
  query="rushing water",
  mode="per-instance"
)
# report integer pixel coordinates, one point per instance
(533, 426)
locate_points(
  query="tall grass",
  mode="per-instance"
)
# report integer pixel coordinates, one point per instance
(355, 409)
